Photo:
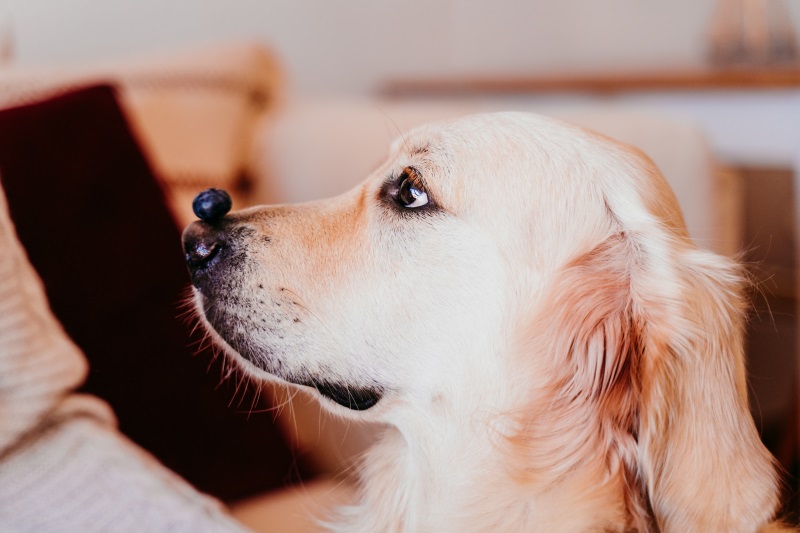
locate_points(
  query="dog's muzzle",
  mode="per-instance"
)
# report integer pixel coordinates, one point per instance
(210, 248)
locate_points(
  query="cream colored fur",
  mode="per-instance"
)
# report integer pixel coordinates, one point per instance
(556, 353)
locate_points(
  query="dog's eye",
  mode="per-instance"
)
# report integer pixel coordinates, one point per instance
(411, 194)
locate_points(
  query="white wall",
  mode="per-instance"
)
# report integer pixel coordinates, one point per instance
(351, 46)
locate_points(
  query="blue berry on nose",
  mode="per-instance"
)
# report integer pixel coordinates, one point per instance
(211, 205)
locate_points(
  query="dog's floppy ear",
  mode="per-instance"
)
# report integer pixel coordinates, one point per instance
(700, 455)
(589, 334)
(644, 338)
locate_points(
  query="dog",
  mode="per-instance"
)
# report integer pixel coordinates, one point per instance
(519, 301)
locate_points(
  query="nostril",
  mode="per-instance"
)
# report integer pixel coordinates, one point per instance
(201, 244)
(202, 253)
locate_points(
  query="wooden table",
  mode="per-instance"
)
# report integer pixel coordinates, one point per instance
(600, 83)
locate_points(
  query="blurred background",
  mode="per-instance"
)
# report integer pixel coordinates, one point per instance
(286, 101)
(355, 47)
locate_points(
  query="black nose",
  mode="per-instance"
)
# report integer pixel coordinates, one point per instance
(211, 205)
(201, 244)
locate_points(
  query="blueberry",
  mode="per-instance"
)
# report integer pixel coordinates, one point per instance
(211, 205)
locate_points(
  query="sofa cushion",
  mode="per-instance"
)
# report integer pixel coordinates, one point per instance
(96, 227)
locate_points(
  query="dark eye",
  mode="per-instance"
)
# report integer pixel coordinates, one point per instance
(411, 194)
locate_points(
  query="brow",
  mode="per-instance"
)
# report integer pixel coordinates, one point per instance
(419, 150)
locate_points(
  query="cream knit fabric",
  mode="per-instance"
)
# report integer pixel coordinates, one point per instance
(63, 465)
(38, 362)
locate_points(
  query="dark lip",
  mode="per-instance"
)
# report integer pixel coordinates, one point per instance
(355, 398)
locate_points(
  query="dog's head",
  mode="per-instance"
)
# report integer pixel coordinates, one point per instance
(516, 265)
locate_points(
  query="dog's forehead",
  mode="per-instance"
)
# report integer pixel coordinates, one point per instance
(492, 143)
(534, 145)
(488, 129)
(508, 152)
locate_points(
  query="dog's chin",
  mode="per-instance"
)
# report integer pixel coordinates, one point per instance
(353, 397)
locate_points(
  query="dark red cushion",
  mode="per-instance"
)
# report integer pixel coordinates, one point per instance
(95, 224)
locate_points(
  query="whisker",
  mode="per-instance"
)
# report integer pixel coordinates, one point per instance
(256, 398)
(399, 131)
(294, 415)
(275, 408)
(236, 390)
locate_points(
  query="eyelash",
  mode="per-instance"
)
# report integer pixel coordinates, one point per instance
(394, 190)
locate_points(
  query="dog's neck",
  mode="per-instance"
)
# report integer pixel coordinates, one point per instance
(446, 473)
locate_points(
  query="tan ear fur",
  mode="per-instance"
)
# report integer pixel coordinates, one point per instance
(646, 396)
(581, 428)
(705, 466)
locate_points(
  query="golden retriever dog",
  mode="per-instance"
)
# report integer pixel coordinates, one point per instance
(519, 301)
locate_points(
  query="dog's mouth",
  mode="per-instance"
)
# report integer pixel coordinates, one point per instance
(355, 398)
